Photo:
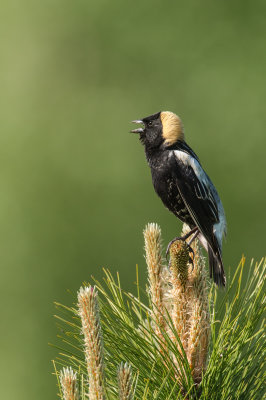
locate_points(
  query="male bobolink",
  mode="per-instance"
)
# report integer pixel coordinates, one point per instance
(183, 185)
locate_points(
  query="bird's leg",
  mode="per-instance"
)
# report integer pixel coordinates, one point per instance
(194, 237)
(184, 237)
(190, 248)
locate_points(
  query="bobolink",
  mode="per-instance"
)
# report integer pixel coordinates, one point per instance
(183, 185)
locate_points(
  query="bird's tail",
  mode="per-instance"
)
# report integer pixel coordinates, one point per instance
(216, 267)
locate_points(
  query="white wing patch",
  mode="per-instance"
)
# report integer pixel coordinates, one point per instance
(204, 189)
(193, 163)
(219, 229)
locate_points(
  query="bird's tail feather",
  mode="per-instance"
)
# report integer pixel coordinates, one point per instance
(216, 267)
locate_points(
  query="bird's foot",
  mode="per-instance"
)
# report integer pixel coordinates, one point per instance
(191, 251)
(183, 238)
(170, 244)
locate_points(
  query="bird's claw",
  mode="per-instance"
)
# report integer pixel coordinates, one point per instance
(190, 249)
(170, 244)
(191, 259)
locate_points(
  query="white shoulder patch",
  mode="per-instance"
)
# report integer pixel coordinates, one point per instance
(188, 160)
(219, 229)
(182, 156)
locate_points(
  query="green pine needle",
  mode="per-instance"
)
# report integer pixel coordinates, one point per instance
(236, 355)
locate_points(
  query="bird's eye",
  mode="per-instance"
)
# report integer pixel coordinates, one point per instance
(150, 123)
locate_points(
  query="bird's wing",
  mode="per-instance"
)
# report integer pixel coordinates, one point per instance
(197, 192)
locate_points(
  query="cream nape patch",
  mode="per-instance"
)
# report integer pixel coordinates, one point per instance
(173, 129)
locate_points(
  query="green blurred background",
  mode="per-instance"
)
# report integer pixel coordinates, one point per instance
(75, 188)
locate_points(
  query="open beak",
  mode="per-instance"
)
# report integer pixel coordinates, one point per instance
(138, 130)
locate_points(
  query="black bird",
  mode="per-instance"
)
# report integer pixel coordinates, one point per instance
(183, 185)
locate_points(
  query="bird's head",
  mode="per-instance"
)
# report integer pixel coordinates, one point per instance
(161, 129)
